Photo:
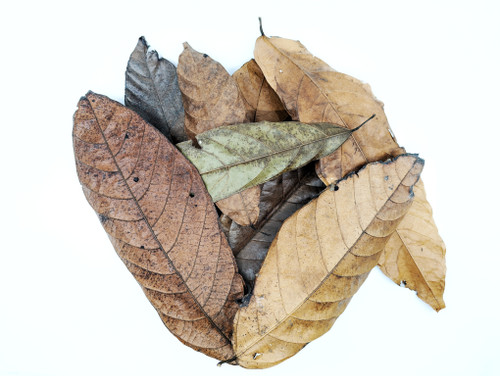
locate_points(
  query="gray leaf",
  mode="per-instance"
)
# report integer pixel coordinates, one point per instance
(152, 90)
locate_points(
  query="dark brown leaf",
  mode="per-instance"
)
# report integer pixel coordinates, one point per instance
(151, 89)
(279, 199)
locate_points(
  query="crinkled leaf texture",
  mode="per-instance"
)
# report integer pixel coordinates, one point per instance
(212, 99)
(153, 204)
(319, 259)
(236, 157)
(152, 90)
(415, 255)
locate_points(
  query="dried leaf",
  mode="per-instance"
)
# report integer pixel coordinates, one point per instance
(212, 99)
(210, 95)
(280, 198)
(159, 217)
(262, 103)
(151, 89)
(236, 157)
(313, 92)
(415, 255)
(242, 207)
(319, 259)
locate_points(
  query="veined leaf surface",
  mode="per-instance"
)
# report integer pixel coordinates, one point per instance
(236, 157)
(319, 259)
(152, 90)
(153, 204)
(312, 91)
(414, 257)
(212, 99)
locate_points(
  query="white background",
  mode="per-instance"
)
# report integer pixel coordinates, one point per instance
(68, 306)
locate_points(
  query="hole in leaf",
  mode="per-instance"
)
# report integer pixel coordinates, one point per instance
(336, 188)
(205, 55)
(191, 194)
(136, 179)
(126, 136)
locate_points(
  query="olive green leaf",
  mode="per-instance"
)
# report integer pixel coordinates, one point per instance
(239, 156)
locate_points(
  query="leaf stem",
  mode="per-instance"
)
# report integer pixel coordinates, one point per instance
(363, 123)
(260, 26)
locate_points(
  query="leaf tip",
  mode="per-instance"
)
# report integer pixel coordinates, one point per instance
(143, 41)
(363, 123)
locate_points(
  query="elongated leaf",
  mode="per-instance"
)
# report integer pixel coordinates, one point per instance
(151, 90)
(212, 99)
(236, 157)
(313, 92)
(279, 199)
(415, 255)
(153, 204)
(321, 256)
(262, 103)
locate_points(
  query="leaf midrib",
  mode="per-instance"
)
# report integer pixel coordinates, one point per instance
(219, 330)
(319, 89)
(320, 284)
(271, 154)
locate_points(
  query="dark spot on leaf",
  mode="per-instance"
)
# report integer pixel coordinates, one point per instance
(191, 194)
(103, 219)
(386, 178)
(196, 144)
(136, 179)
(336, 188)
(142, 247)
(205, 55)
(126, 136)
(403, 282)
(93, 100)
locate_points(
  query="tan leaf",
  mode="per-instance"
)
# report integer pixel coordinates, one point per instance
(211, 99)
(262, 103)
(415, 254)
(319, 259)
(313, 92)
(153, 204)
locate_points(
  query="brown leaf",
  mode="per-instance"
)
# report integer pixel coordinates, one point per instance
(319, 259)
(211, 99)
(261, 101)
(415, 255)
(313, 92)
(279, 199)
(242, 207)
(159, 217)
(210, 95)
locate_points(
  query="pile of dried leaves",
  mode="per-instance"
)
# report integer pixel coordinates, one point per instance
(306, 207)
